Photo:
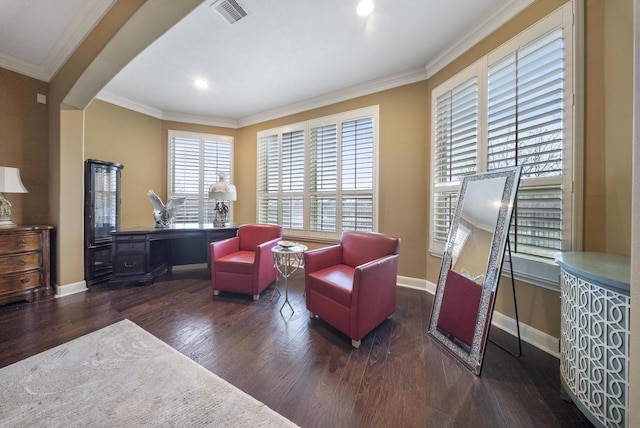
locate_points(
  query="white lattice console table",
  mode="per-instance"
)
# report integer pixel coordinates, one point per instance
(594, 337)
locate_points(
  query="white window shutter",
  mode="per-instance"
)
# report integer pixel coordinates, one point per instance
(526, 128)
(317, 178)
(195, 162)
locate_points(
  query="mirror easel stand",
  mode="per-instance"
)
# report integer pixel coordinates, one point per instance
(515, 307)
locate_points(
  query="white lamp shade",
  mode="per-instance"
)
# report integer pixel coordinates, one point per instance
(10, 181)
(223, 191)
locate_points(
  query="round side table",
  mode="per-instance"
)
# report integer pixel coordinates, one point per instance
(287, 260)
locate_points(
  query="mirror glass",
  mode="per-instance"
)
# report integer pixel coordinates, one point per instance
(471, 264)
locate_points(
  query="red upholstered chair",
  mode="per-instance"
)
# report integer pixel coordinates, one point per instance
(352, 285)
(244, 263)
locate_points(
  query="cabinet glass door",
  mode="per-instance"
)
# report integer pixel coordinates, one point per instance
(105, 202)
(101, 217)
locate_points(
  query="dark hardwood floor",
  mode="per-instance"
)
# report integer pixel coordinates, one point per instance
(304, 369)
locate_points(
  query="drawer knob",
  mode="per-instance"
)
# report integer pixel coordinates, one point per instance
(25, 280)
(21, 262)
(22, 243)
(130, 264)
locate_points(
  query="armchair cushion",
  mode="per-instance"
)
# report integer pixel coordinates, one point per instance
(238, 262)
(336, 283)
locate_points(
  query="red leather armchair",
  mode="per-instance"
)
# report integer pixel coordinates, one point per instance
(352, 286)
(244, 263)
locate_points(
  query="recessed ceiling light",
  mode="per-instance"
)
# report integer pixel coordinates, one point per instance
(365, 7)
(202, 84)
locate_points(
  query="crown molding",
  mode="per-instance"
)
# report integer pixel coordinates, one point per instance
(83, 22)
(159, 114)
(200, 120)
(76, 31)
(482, 29)
(128, 104)
(366, 88)
(373, 86)
(23, 67)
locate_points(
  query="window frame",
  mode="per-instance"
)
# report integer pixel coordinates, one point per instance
(206, 178)
(531, 269)
(306, 233)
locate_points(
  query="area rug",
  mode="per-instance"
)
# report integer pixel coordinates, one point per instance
(123, 376)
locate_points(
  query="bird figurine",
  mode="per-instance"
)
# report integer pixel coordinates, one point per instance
(164, 214)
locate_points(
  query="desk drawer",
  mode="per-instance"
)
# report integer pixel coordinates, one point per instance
(20, 263)
(130, 247)
(20, 242)
(129, 264)
(20, 282)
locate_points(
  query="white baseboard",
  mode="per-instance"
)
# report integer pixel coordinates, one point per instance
(73, 288)
(533, 336)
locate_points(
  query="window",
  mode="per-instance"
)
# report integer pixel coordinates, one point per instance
(319, 178)
(513, 107)
(195, 163)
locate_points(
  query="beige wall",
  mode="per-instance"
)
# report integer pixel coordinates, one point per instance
(134, 140)
(634, 345)
(404, 149)
(404, 157)
(618, 101)
(23, 144)
(607, 157)
(403, 167)
(127, 28)
(139, 142)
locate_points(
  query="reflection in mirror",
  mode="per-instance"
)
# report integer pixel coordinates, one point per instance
(471, 264)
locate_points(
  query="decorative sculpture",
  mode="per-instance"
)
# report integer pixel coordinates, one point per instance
(164, 214)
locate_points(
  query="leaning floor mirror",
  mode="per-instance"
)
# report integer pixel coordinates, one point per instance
(471, 264)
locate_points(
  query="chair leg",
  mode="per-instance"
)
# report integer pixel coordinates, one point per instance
(355, 343)
(256, 296)
(311, 315)
(216, 292)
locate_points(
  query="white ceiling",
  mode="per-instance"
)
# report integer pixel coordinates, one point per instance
(285, 56)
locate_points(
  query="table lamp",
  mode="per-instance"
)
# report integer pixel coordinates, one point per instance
(222, 192)
(10, 182)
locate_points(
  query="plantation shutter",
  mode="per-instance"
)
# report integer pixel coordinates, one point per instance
(526, 128)
(323, 178)
(455, 151)
(293, 180)
(268, 179)
(357, 173)
(318, 178)
(194, 165)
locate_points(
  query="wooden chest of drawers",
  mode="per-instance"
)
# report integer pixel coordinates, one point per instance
(24, 263)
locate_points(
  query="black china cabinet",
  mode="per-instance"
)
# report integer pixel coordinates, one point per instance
(101, 216)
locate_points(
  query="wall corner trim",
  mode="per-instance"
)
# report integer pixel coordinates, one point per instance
(73, 288)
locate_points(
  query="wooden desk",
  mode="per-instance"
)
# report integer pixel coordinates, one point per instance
(141, 254)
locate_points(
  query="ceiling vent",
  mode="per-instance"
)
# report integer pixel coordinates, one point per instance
(230, 10)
